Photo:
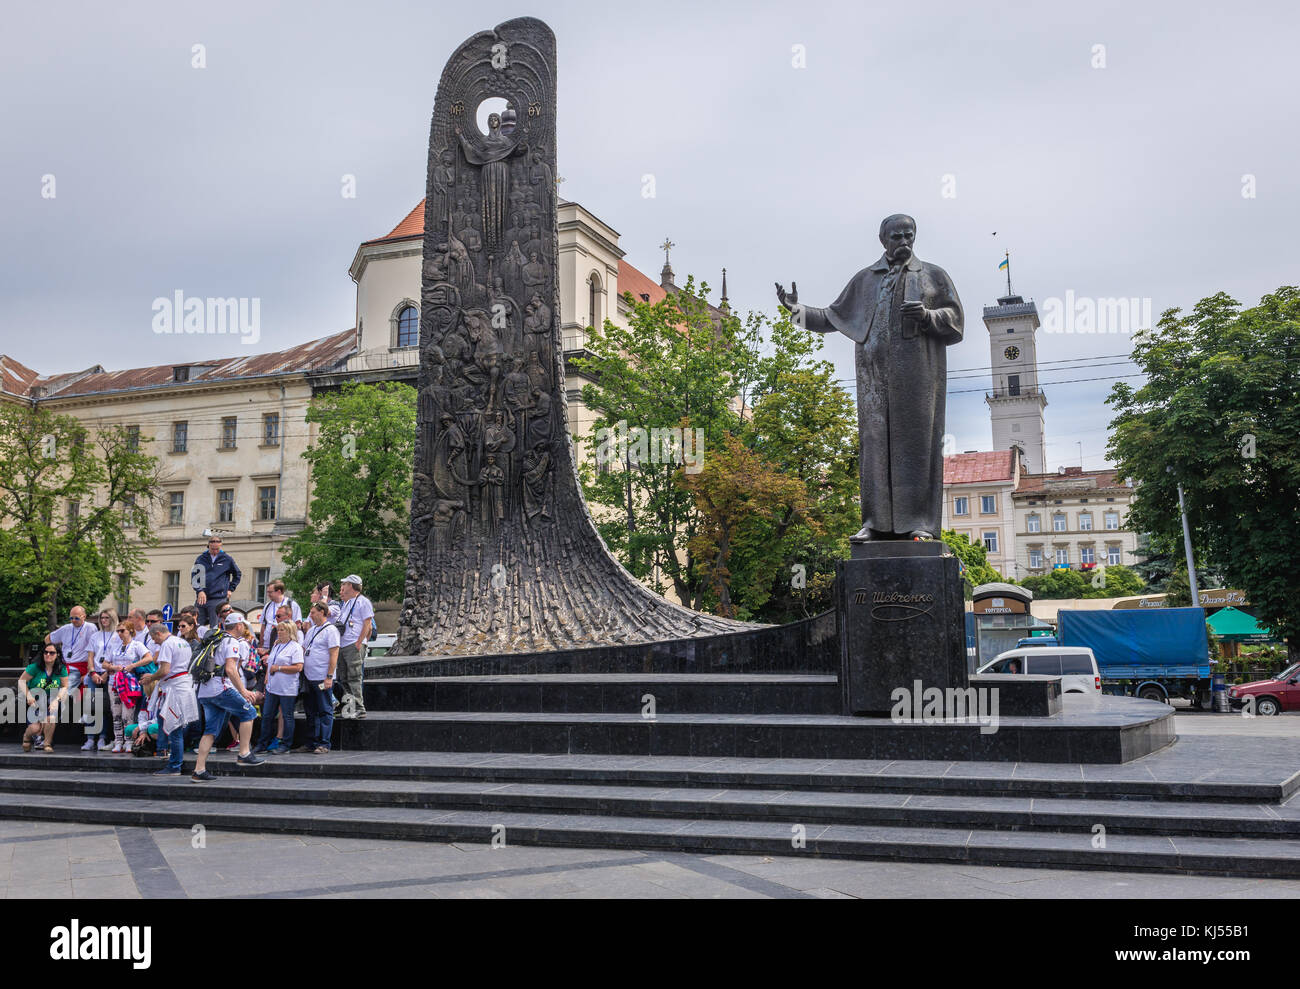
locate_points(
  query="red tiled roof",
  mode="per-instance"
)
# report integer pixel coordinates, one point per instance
(15, 378)
(632, 280)
(974, 468)
(412, 225)
(1033, 485)
(315, 355)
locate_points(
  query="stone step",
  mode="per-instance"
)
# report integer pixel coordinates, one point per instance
(1104, 730)
(1172, 776)
(614, 693)
(1252, 857)
(806, 806)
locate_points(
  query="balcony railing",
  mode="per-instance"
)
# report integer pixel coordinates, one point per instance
(379, 360)
(1012, 393)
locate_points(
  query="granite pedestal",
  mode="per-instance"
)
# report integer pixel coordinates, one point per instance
(901, 622)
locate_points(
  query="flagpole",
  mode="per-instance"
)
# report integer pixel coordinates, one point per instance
(1008, 272)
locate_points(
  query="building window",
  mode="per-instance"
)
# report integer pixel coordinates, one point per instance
(1063, 557)
(180, 437)
(1087, 555)
(988, 505)
(132, 439)
(1112, 520)
(180, 374)
(266, 504)
(271, 429)
(1035, 559)
(1035, 524)
(1058, 522)
(593, 300)
(1112, 556)
(961, 506)
(991, 542)
(123, 594)
(172, 588)
(176, 508)
(408, 327)
(1013, 384)
(229, 426)
(1085, 521)
(74, 513)
(128, 511)
(261, 579)
(226, 505)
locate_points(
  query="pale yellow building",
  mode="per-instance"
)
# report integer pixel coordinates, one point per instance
(977, 502)
(1073, 518)
(230, 434)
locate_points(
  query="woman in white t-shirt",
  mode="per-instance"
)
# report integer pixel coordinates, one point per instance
(122, 655)
(283, 666)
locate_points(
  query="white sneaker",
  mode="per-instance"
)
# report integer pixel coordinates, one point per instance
(103, 744)
(117, 748)
(89, 746)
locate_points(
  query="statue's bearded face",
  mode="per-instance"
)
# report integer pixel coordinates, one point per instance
(898, 238)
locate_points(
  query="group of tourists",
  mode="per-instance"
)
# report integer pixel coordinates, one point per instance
(218, 671)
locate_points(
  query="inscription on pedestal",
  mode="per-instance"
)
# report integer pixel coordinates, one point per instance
(901, 620)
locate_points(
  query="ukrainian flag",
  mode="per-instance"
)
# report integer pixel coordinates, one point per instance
(1004, 264)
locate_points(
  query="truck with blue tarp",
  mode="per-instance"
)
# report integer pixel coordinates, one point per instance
(1155, 654)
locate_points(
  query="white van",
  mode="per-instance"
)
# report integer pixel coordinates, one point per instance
(1075, 665)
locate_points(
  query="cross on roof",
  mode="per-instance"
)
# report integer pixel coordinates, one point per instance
(666, 246)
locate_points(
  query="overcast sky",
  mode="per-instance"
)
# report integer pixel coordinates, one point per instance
(1123, 180)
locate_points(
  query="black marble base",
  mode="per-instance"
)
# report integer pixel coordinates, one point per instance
(1022, 695)
(901, 625)
(1108, 730)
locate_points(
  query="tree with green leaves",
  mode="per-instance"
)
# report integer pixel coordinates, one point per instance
(974, 560)
(361, 466)
(1062, 584)
(804, 425)
(741, 496)
(1219, 413)
(677, 365)
(1114, 581)
(75, 508)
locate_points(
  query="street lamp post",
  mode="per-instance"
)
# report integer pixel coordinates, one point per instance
(1187, 545)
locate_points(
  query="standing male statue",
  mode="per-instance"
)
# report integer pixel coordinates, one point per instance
(903, 314)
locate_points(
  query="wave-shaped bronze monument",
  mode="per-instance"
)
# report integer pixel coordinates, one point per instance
(504, 556)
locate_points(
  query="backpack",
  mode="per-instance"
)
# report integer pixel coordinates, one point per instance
(203, 656)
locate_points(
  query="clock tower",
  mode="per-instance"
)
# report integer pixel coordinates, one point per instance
(1016, 403)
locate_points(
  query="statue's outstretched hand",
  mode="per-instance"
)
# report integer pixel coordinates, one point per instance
(788, 299)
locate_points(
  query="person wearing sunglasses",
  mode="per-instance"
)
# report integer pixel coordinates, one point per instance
(44, 685)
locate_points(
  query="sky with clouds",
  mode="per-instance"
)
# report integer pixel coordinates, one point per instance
(1112, 171)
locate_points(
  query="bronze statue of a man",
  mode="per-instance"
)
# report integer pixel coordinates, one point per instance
(903, 313)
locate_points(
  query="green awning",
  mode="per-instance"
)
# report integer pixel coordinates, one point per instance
(1233, 624)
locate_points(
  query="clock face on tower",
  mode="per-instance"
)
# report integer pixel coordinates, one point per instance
(1011, 353)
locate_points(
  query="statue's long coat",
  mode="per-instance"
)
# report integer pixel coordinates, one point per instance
(902, 385)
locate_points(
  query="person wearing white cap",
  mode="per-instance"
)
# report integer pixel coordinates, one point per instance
(224, 696)
(356, 616)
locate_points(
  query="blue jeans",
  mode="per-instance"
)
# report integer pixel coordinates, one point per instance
(227, 703)
(175, 745)
(320, 714)
(274, 704)
(208, 612)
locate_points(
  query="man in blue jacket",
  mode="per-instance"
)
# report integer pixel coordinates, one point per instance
(220, 577)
